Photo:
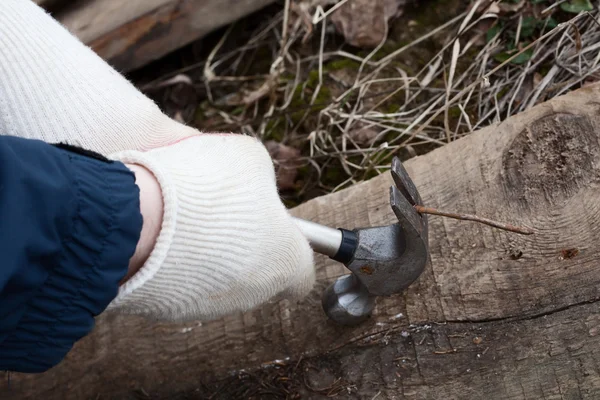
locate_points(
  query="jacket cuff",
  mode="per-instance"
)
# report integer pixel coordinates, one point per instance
(103, 230)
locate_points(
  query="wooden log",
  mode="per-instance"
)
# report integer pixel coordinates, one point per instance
(531, 300)
(129, 34)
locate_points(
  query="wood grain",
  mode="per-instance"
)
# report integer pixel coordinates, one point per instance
(528, 294)
(129, 34)
(550, 356)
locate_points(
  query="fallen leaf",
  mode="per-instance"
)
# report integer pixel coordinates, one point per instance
(363, 22)
(286, 163)
(494, 8)
(492, 32)
(363, 134)
(507, 8)
(577, 6)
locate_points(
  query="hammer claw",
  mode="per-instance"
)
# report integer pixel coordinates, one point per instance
(410, 220)
(404, 183)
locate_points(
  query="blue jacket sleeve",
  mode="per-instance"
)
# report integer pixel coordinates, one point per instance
(69, 223)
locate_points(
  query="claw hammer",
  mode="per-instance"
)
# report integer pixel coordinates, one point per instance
(383, 260)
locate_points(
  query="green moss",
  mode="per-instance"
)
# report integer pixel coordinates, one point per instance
(287, 76)
(259, 61)
(290, 203)
(333, 175)
(454, 112)
(323, 97)
(502, 92)
(391, 108)
(372, 173)
(313, 79)
(298, 105)
(302, 96)
(338, 65)
(275, 129)
(200, 113)
(390, 136)
(544, 69)
(237, 111)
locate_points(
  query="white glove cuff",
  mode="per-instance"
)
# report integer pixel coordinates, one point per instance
(169, 223)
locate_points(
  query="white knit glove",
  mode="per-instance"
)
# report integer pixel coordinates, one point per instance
(226, 244)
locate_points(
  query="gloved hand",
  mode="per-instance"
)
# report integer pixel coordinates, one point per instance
(226, 243)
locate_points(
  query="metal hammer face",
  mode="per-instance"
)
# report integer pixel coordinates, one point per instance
(384, 260)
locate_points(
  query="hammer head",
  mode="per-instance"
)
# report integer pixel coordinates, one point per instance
(390, 258)
(387, 259)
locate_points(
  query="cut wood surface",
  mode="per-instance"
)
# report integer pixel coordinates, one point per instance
(129, 34)
(495, 315)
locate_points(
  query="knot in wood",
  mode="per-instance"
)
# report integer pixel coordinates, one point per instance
(549, 161)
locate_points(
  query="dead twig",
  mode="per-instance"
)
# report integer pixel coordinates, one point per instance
(475, 218)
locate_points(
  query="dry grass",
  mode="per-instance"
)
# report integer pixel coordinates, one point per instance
(350, 111)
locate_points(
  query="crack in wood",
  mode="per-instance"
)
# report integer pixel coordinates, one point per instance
(521, 317)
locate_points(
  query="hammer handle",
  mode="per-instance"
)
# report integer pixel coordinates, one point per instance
(346, 301)
(338, 244)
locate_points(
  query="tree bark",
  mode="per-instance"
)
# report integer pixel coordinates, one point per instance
(495, 314)
(129, 34)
